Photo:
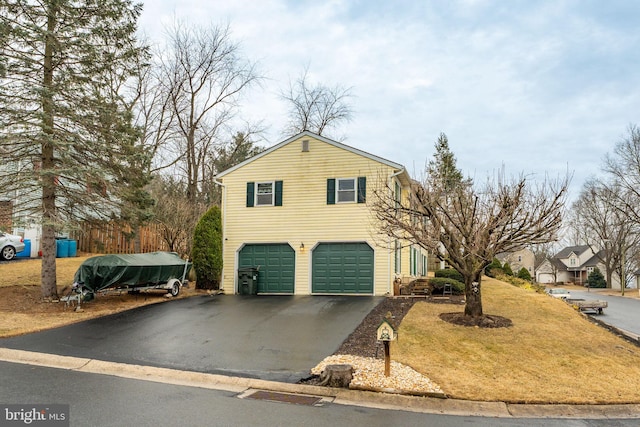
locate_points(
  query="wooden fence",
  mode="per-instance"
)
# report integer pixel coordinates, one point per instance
(111, 238)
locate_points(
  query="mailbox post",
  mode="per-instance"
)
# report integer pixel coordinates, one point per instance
(386, 333)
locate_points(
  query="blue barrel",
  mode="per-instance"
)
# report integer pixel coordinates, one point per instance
(26, 252)
(62, 248)
(73, 248)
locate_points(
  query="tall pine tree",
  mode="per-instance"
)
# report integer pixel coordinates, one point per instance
(69, 148)
(443, 168)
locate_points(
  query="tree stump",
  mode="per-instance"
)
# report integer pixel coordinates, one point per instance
(337, 376)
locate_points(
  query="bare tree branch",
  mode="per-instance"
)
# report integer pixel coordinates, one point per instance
(468, 225)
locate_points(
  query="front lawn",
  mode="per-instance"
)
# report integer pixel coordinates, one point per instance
(551, 354)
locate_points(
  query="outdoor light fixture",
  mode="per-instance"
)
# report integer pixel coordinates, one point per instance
(302, 247)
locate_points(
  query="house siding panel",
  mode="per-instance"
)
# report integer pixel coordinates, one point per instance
(305, 218)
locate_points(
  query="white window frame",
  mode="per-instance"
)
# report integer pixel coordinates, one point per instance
(257, 193)
(355, 190)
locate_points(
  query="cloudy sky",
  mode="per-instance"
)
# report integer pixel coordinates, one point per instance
(539, 87)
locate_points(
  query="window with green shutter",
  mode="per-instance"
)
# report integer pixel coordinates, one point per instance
(331, 191)
(346, 190)
(267, 193)
(362, 189)
(250, 194)
(278, 201)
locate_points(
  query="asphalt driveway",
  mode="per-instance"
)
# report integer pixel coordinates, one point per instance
(269, 337)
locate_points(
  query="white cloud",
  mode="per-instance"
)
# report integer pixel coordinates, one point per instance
(536, 86)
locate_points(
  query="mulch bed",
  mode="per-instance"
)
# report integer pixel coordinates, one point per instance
(484, 321)
(362, 341)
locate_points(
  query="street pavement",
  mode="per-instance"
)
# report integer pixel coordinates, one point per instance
(72, 374)
(623, 313)
(116, 400)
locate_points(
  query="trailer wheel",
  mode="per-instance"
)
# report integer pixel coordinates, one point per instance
(174, 287)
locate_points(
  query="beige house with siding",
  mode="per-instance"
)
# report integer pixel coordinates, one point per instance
(524, 258)
(300, 212)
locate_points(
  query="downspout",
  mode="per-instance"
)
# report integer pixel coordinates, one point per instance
(223, 203)
(392, 253)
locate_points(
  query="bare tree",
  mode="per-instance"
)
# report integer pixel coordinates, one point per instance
(467, 225)
(623, 166)
(175, 215)
(202, 76)
(600, 222)
(316, 108)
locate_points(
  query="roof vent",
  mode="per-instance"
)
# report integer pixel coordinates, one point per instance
(305, 145)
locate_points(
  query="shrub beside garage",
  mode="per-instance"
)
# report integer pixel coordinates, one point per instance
(207, 250)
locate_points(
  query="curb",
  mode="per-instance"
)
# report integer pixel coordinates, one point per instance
(422, 404)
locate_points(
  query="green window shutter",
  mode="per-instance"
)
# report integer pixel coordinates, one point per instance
(278, 201)
(362, 189)
(411, 261)
(331, 191)
(250, 194)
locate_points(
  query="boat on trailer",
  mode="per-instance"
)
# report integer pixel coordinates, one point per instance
(130, 272)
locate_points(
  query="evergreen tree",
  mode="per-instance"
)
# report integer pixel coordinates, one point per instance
(207, 250)
(494, 267)
(443, 167)
(596, 279)
(70, 151)
(507, 269)
(524, 274)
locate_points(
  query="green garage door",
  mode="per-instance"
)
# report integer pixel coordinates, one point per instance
(277, 266)
(342, 268)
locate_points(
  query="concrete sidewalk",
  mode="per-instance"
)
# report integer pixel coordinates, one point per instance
(388, 401)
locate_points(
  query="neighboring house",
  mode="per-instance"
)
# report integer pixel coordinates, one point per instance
(301, 212)
(518, 259)
(13, 219)
(572, 264)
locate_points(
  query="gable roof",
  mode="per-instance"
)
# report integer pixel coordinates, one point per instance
(397, 166)
(555, 263)
(595, 260)
(578, 250)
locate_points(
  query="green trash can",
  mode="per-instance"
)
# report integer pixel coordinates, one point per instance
(248, 280)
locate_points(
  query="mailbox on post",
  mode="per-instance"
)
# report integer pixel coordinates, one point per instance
(386, 333)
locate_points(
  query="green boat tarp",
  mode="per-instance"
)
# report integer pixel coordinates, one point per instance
(130, 270)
